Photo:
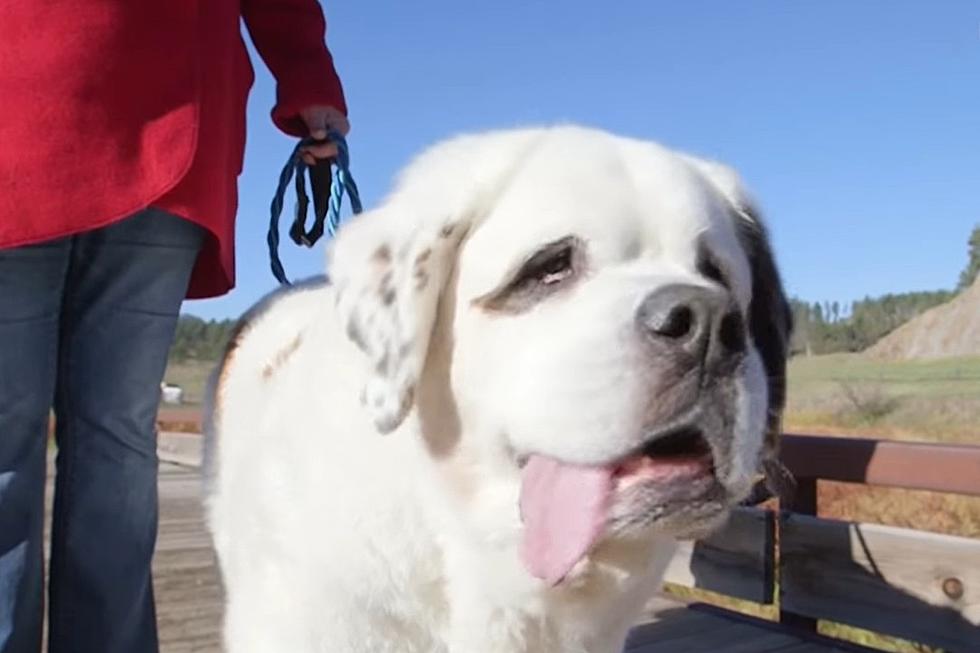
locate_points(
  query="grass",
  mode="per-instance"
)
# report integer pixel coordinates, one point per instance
(936, 401)
(192, 376)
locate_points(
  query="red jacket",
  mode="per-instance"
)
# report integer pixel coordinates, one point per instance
(110, 106)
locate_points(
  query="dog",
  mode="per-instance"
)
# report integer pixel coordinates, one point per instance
(545, 358)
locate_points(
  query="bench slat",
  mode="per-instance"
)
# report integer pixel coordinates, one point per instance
(885, 579)
(701, 629)
(737, 560)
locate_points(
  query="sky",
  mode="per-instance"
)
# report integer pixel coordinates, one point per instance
(856, 125)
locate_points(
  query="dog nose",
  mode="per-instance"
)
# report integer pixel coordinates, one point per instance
(703, 322)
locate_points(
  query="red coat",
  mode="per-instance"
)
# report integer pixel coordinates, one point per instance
(110, 106)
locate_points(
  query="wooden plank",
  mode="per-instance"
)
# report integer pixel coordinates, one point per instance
(810, 647)
(670, 623)
(920, 586)
(736, 561)
(185, 576)
(678, 629)
(727, 636)
(804, 500)
(913, 465)
(716, 634)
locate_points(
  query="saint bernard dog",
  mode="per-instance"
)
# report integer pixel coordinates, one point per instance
(545, 358)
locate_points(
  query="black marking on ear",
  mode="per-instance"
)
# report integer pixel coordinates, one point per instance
(770, 316)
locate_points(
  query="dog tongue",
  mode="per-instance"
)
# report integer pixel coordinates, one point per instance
(564, 510)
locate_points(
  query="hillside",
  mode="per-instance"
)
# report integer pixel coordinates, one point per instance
(950, 329)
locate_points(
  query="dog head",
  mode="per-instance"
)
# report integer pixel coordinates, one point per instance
(591, 325)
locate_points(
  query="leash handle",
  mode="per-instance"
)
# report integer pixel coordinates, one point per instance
(341, 182)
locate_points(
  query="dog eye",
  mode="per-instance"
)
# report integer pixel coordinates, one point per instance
(548, 271)
(550, 266)
(708, 268)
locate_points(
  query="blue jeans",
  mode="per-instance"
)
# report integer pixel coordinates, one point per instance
(86, 323)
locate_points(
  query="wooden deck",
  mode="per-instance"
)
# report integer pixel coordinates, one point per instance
(699, 629)
(186, 581)
(188, 593)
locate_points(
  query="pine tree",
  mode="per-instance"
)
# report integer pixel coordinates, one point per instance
(969, 273)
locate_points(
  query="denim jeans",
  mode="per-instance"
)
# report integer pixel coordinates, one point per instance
(86, 323)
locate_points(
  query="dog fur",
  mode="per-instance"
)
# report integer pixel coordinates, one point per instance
(367, 434)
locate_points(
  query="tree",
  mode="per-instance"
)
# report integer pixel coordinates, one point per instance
(827, 327)
(800, 342)
(969, 273)
(197, 339)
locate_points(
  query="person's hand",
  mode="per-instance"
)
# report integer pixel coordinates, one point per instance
(319, 121)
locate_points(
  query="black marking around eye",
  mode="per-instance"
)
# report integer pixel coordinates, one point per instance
(552, 263)
(708, 267)
(551, 268)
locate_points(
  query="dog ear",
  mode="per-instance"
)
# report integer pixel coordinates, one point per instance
(770, 315)
(770, 325)
(388, 269)
(390, 266)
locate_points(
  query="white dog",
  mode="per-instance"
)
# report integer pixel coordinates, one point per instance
(575, 344)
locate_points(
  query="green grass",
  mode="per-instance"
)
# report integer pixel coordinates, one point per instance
(944, 377)
(910, 400)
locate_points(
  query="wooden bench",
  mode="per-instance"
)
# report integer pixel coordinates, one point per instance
(798, 569)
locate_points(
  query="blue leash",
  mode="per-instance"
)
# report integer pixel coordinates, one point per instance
(327, 217)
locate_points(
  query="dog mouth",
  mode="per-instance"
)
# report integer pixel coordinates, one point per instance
(671, 482)
(674, 459)
(566, 508)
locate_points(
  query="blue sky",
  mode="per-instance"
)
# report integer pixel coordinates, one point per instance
(855, 124)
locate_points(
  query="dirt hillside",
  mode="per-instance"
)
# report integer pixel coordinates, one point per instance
(950, 329)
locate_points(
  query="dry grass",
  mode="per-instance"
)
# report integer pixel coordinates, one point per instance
(915, 509)
(849, 394)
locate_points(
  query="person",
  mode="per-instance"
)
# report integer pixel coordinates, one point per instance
(122, 131)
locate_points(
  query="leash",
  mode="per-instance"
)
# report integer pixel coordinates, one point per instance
(330, 179)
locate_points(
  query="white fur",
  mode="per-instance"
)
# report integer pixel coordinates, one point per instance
(334, 538)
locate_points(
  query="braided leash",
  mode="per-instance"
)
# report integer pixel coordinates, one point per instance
(338, 171)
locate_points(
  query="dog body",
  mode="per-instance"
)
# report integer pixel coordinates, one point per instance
(575, 345)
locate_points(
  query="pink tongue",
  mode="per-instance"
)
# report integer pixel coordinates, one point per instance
(564, 510)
